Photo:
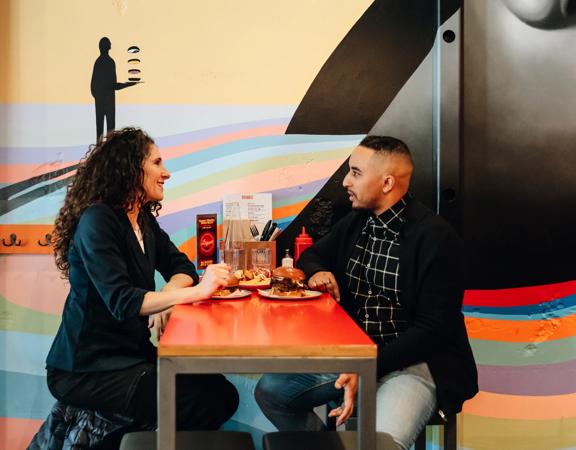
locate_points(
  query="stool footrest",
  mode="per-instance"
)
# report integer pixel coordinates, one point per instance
(191, 440)
(310, 440)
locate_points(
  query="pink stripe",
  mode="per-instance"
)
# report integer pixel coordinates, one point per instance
(280, 178)
(12, 173)
(25, 276)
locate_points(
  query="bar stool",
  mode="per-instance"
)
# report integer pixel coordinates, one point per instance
(310, 440)
(191, 440)
(346, 440)
(449, 432)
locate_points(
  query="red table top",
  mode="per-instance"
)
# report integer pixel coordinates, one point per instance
(261, 327)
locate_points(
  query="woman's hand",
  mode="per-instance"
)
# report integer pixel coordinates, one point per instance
(215, 277)
(325, 282)
(157, 322)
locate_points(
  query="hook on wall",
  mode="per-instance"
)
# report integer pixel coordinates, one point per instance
(47, 240)
(13, 242)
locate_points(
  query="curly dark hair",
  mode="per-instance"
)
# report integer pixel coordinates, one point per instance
(110, 173)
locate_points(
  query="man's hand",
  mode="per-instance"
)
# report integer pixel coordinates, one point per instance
(325, 282)
(348, 381)
(157, 322)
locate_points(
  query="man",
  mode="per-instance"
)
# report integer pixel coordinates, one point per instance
(103, 87)
(396, 268)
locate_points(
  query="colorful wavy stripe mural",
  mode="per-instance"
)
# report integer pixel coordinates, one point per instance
(524, 339)
(524, 343)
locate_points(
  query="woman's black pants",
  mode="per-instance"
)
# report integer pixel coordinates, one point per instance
(203, 402)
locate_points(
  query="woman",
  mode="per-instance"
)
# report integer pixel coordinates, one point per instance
(108, 244)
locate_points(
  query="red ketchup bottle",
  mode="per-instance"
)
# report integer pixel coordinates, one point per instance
(301, 243)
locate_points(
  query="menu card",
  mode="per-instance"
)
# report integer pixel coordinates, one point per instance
(257, 208)
(205, 240)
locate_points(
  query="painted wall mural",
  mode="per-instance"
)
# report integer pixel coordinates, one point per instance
(518, 139)
(266, 96)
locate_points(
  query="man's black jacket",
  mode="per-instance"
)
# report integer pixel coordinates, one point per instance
(432, 287)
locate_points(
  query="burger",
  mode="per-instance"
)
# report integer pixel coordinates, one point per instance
(288, 281)
(230, 287)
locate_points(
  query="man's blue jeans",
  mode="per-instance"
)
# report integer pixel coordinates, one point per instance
(405, 401)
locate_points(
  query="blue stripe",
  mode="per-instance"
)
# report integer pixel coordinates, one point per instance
(556, 308)
(30, 361)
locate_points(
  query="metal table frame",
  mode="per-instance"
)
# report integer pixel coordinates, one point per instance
(170, 366)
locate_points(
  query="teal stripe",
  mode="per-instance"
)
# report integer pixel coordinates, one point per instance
(499, 353)
(182, 235)
(293, 200)
(24, 396)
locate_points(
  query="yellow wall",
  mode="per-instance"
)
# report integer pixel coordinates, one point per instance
(210, 51)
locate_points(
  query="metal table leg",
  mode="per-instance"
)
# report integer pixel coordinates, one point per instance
(166, 435)
(367, 405)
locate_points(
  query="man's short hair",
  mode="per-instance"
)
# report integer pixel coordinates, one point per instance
(387, 144)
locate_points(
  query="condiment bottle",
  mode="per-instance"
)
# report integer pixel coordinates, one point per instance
(287, 261)
(301, 243)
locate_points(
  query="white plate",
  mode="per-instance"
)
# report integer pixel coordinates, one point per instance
(238, 293)
(309, 295)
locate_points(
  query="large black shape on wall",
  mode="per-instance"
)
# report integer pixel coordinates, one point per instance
(355, 87)
(518, 152)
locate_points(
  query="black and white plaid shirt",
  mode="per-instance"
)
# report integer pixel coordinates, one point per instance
(372, 275)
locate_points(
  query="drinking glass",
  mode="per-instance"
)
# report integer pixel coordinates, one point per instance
(262, 261)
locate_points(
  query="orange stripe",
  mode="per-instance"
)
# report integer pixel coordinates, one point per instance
(504, 406)
(289, 210)
(16, 434)
(28, 236)
(521, 330)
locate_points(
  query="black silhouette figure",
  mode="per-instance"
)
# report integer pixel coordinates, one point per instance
(104, 86)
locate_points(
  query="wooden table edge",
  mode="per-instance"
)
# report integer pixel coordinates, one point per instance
(328, 351)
